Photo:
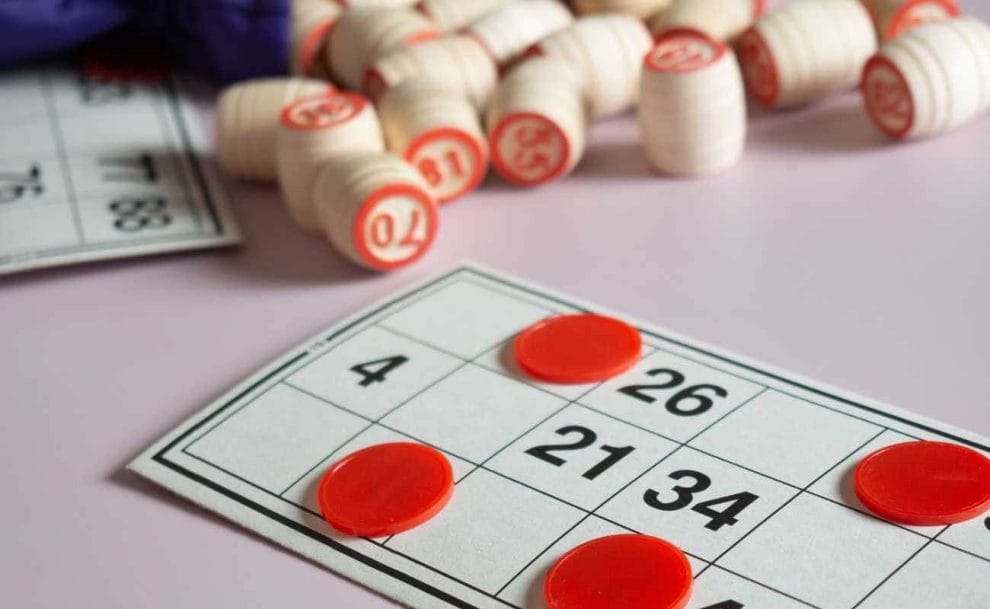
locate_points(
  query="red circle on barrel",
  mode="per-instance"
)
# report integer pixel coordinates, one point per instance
(925, 483)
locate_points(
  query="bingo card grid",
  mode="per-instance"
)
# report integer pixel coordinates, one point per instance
(745, 470)
(93, 170)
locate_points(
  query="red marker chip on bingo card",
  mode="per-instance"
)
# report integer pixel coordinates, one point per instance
(621, 571)
(386, 489)
(925, 483)
(583, 348)
(684, 51)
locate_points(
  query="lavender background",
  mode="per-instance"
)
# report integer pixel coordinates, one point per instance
(829, 251)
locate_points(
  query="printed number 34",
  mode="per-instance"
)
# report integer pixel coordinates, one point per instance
(735, 504)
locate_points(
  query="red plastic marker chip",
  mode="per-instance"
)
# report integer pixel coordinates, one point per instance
(925, 483)
(627, 571)
(386, 489)
(578, 348)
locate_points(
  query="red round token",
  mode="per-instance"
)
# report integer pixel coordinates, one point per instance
(582, 348)
(759, 67)
(386, 489)
(887, 96)
(628, 571)
(925, 483)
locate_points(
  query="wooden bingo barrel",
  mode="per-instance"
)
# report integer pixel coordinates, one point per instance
(247, 121)
(692, 109)
(454, 15)
(930, 79)
(510, 30)
(721, 19)
(805, 50)
(640, 9)
(893, 17)
(376, 210)
(607, 50)
(314, 130)
(458, 63)
(362, 36)
(537, 122)
(312, 21)
(439, 133)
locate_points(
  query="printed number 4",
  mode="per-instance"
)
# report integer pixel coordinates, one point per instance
(735, 504)
(377, 370)
(588, 437)
(725, 605)
(687, 402)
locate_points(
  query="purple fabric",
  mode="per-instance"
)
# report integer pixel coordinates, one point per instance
(225, 39)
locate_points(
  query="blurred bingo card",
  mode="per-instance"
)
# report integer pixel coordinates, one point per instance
(92, 170)
(745, 467)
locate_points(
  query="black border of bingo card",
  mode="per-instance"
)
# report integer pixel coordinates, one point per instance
(161, 459)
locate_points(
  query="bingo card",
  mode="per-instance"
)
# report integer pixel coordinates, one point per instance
(745, 467)
(91, 170)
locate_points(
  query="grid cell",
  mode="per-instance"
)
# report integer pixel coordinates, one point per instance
(502, 359)
(275, 439)
(526, 588)
(489, 531)
(581, 456)
(374, 372)
(972, 536)
(303, 492)
(700, 503)
(671, 395)
(465, 318)
(937, 577)
(718, 588)
(839, 484)
(786, 438)
(822, 553)
(473, 413)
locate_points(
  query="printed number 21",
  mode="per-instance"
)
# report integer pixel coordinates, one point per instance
(588, 437)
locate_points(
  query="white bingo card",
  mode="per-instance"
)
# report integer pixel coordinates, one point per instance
(92, 170)
(744, 467)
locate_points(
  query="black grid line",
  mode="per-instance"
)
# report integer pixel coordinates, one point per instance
(447, 280)
(793, 497)
(63, 158)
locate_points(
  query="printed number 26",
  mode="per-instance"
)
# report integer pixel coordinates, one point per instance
(687, 402)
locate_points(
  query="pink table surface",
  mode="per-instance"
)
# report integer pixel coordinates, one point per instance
(829, 251)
